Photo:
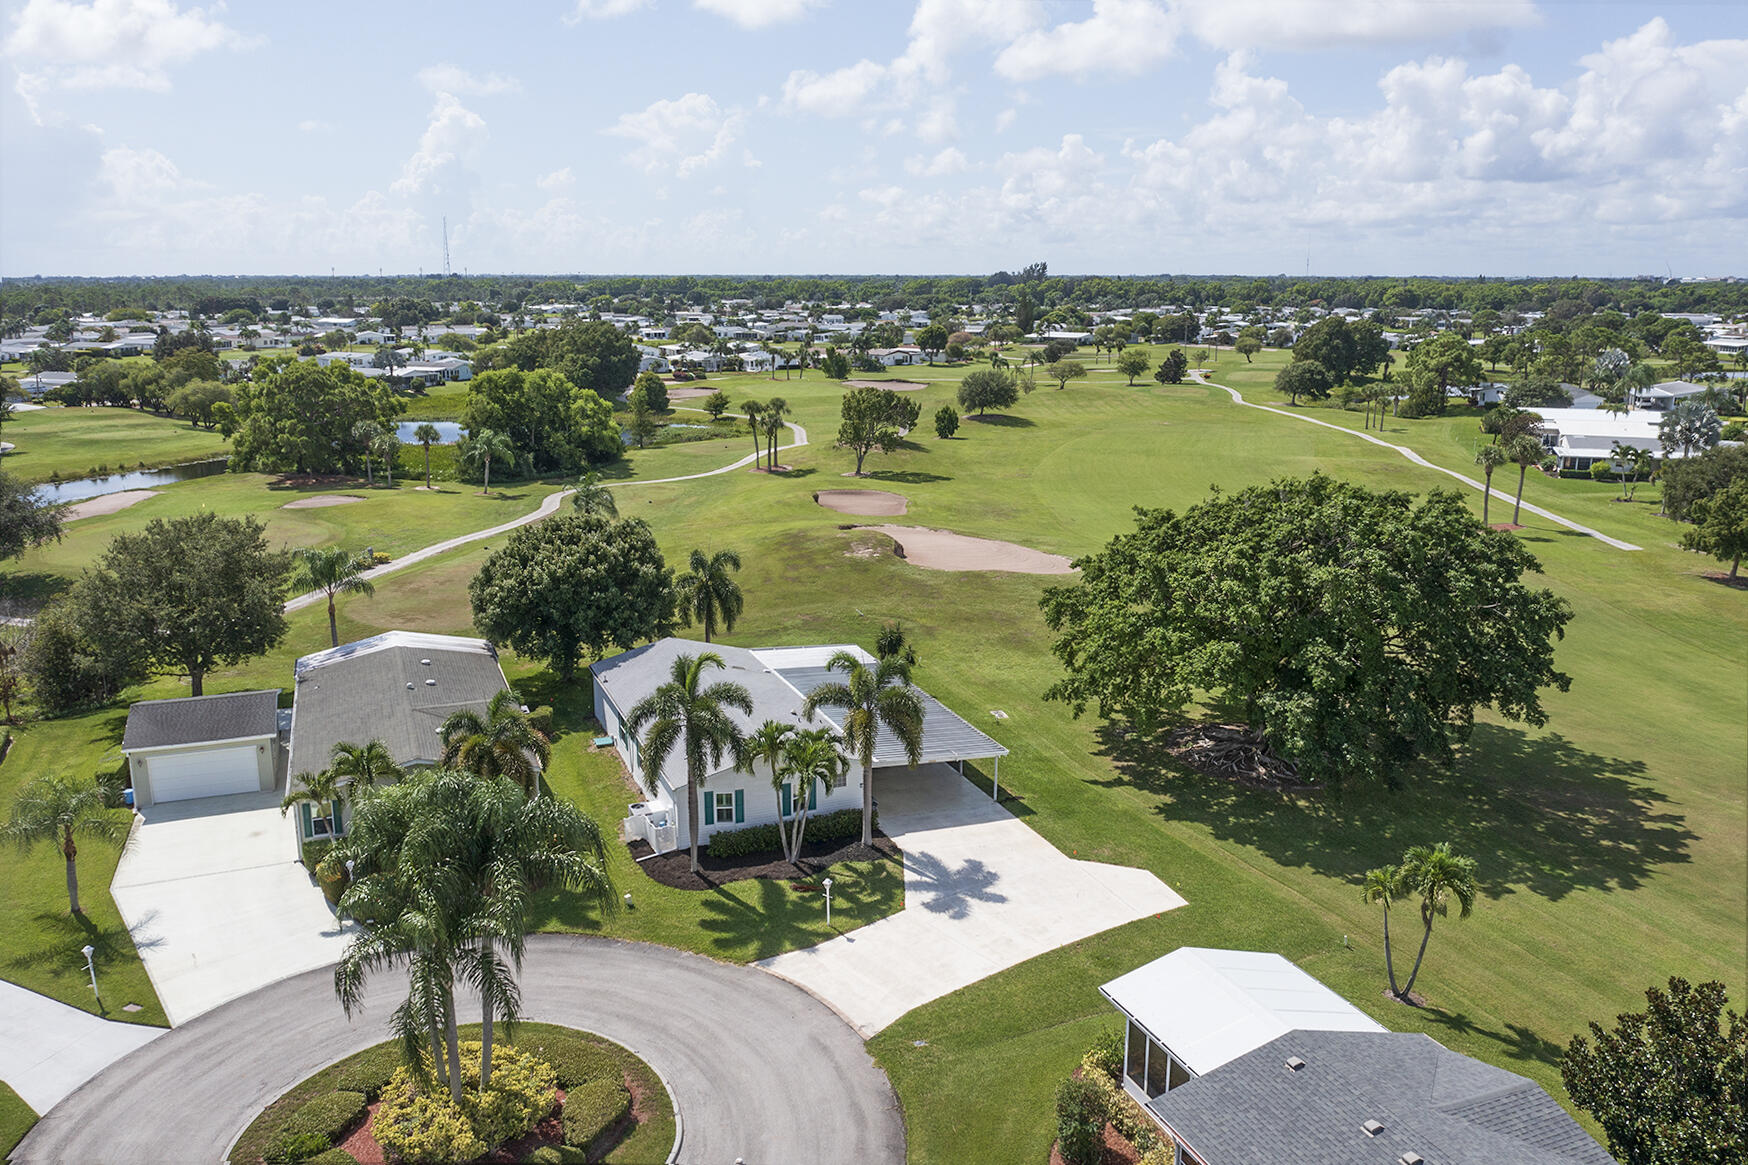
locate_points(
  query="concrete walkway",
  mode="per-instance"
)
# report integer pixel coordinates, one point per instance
(548, 506)
(982, 892)
(758, 1069)
(217, 902)
(1200, 377)
(47, 1049)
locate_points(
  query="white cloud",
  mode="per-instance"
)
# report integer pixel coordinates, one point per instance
(938, 123)
(757, 13)
(1121, 36)
(109, 44)
(940, 29)
(454, 79)
(948, 161)
(557, 180)
(1005, 118)
(681, 136)
(450, 140)
(128, 172)
(311, 125)
(840, 93)
(603, 9)
(1315, 24)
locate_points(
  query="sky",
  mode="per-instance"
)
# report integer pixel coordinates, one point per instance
(1335, 137)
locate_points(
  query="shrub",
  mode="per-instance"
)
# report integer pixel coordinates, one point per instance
(565, 1155)
(523, 1089)
(1734, 431)
(576, 1062)
(288, 1148)
(423, 1126)
(592, 1109)
(1080, 1121)
(757, 839)
(369, 1073)
(334, 1156)
(313, 853)
(1162, 1153)
(1106, 1054)
(1118, 1107)
(330, 1117)
(331, 877)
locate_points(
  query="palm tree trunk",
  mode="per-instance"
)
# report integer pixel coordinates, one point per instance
(1408, 987)
(488, 486)
(1389, 964)
(333, 627)
(485, 1019)
(1517, 507)
(71, 852)
(868, 801)
(427, 467)
(692, 816)
(453, 1037)
(1486, 496)
(437, 1061)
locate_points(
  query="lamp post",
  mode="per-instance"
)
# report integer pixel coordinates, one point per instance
(88, 950)
(828, 901)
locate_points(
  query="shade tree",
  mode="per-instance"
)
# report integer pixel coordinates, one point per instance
(983, 389)
(874, 418)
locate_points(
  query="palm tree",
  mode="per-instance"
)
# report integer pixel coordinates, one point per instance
(324, 788)
(427, 435)
(809, 759)
(1490, 458)
(332, 571)
(592, 497)
(707, 595)
(1382, 885)
(1436, 875)
(502, 743)
(891, 644)
(771, 420)
(388, 446)
(53, 810)
(365, 765)
(751, 410)
(872, 697)
(768, 743)
(1526, 451)
(1690, 425)
(681, 712)
(485, 447)
(367, 434)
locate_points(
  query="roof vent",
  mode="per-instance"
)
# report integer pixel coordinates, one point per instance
(1294, 1063)
(430, 683)
(1411, 1158)
(1373, 1128)
(409, 685)
(424, 663)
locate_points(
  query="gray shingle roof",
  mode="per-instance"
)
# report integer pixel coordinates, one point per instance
(377, 689)
(946, 735)
(197, 719)
(1448, 1108)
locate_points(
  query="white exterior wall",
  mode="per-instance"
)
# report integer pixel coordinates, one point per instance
(139, 763)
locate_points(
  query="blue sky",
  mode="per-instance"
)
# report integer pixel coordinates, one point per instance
(754, 136)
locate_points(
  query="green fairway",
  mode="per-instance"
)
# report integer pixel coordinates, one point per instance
(1609, 842)
(80, 442)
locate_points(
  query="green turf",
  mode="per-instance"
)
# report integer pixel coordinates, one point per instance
(78, 442)
(16, 1119)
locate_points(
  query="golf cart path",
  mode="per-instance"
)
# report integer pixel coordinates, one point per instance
(189, 1094)
(1200, 377)
(548, 506)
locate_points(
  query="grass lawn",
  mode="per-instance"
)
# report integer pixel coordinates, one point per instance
(16, 1119)
(1609, 842)
(77, 442)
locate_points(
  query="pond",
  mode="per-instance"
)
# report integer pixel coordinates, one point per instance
(82, 488)
(450, 430)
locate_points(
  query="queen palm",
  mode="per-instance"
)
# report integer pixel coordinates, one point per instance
(427, 435)
(751, 410)
(707, 595)
(591, 497)
(502, 743)
(1526, 451)
(872, 697)
(810, 759)
(695, 718)
(768, 743)
(486, 446)
(771, 420)
(365, 765)
(332, 571)
(50, 809)
(1436, 875)
(1381, 886)
(324, 788)
(1490, 457)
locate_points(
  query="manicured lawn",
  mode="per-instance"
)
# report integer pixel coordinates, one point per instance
(78, 442)
(16, 1118)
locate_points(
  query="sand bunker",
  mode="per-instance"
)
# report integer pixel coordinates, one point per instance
(321, 502)
(945, 550)
(107, 504)
(894, 385)
(862, 501)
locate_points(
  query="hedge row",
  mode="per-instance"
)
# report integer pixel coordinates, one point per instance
(758, 839)
(593, 1108)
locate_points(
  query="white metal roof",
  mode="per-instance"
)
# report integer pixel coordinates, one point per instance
(1211, 1006)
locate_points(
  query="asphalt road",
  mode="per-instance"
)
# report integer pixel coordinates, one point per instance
(759, 1069)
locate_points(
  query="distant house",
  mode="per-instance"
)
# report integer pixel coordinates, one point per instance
(37, 383)
(1242, 1057)
(1661, 396)
(433, 372)
(895, 356)
(1580, 437)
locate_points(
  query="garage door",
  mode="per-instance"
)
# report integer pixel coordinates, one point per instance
(213, 773)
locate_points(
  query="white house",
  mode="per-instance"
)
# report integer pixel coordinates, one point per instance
(202, 746)
(1580, 437)
(777, 679)
(1661, 396)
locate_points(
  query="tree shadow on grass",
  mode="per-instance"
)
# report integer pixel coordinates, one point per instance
(757, 913)
(1538, 813)
(1516, 1042)
(23, 593)
(1004, 421)
(904, 476)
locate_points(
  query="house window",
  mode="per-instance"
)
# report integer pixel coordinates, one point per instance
(322, 819)
(1158, 1069)
(724, 806)
(1135, 1062)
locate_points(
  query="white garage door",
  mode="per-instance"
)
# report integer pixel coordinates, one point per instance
(213, 773)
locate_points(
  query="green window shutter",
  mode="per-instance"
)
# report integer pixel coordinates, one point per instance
(339, 818)
(709, 808)
(306, 814)
(812, 796)
(783, 796)
(740, 806)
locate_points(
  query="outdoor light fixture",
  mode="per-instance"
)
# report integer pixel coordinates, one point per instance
(88, 950)
(828, 900)
(628, 904)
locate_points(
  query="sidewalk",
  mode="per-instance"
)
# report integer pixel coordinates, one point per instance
(47, 1049)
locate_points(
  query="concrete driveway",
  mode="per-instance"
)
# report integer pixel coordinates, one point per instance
(48, 1049)
(758, 1069)
(217, 902)
(982, 892)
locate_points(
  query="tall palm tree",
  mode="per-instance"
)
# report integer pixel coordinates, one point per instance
(1436, 875)
(768, 743)
(1526, 451)
(53, 810)
(695, 718)
(872, 697)
(365, 765)
(1381, 886)
(486, 446)
(333, 571)
(591, 497)
(1490, 458)
(367, 434)
(810, 759)
(502, 743)
(751, 410)
(771, 420)
(707, 595)
(427, 435)
(388, 447)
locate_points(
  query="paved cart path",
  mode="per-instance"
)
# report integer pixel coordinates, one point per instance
(732, 1043)
(1200, 377)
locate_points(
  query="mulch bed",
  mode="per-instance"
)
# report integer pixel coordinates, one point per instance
(675, 869)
